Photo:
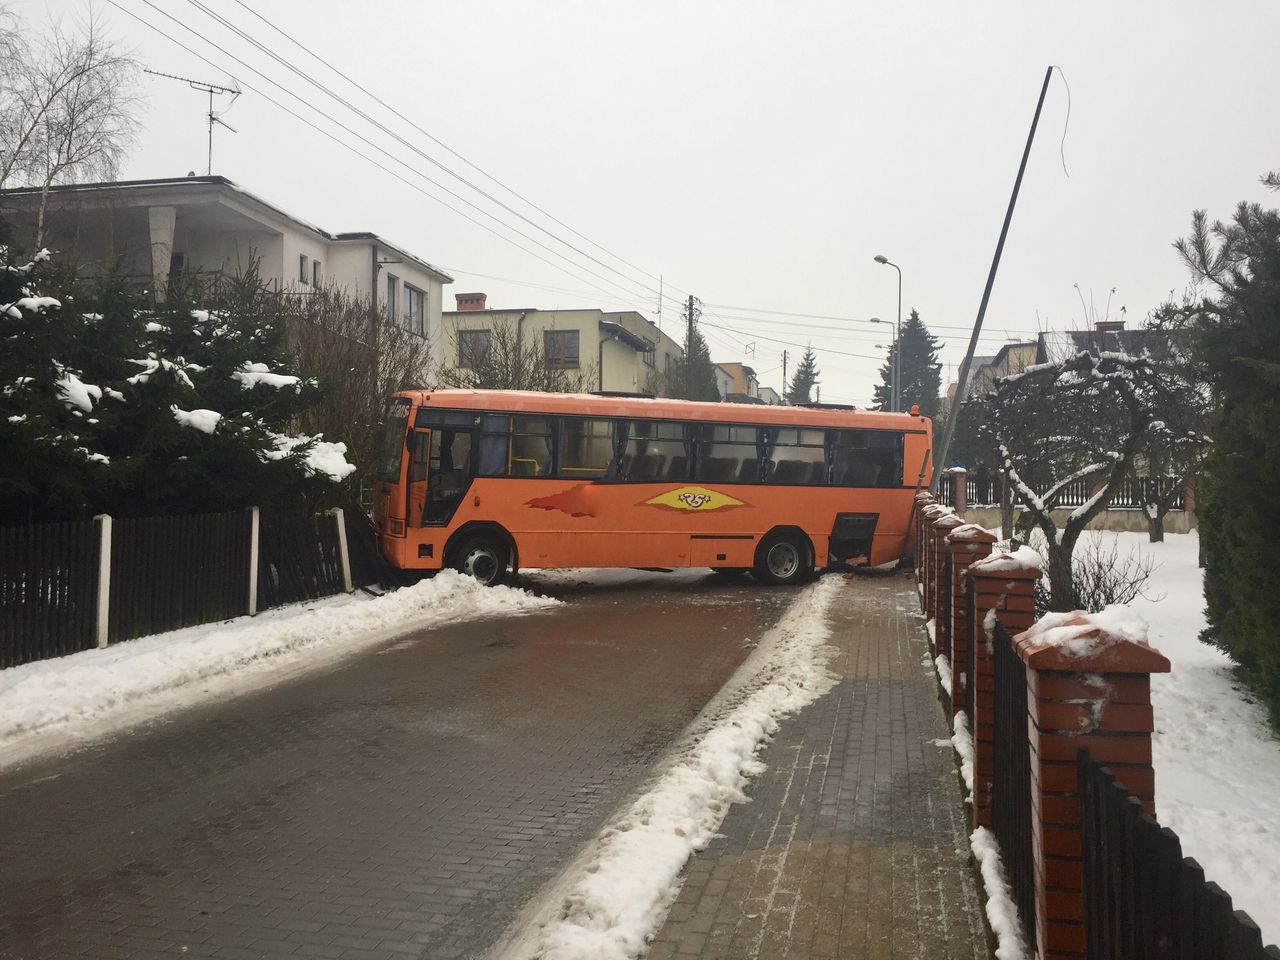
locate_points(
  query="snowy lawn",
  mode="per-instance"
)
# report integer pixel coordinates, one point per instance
(1217, 762)
(86, 693)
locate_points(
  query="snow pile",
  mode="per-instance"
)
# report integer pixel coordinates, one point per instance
(962, 740)
(36, 304)
(1002, 911)
(151, 365)
(943, 666)
(1024, 558)
(74, 393)
(203, 420)
(1083, 634)
(69, 692)
(323, 457)
(252, 374)
(968, 531)
(610, 912)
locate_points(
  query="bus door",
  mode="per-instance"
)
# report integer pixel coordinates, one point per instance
(449, 472)
(419, 451)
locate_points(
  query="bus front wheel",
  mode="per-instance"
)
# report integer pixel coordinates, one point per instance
(783, 559)
(483, 556)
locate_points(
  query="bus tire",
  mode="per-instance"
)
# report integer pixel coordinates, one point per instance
(783, 559)
(483, 556)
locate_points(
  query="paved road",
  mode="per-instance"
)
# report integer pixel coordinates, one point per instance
(406, 802)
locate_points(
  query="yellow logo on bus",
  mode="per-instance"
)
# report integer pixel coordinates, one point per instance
(694, 498)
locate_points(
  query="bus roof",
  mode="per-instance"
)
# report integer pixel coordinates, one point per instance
(586, 404)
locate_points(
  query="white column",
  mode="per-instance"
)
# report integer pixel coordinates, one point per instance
(104, 577)
(340, 520)
(253, 561)
(161, 220)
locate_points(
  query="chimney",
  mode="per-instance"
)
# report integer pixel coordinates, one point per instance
(1108, 326)
(470, 301)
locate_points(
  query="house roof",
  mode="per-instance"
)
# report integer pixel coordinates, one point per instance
(1055, 344)
(126, 187)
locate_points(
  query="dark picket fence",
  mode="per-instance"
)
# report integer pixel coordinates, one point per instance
(298, 559)
(1142, 897)
(172, 572)
(1011, 812)
(48, 590)
(1132, 495)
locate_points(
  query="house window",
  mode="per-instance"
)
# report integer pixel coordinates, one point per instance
(648, 352)
(304, 271)
(415, 310)
(315, 273)
(392, 300)
(560, 347)
(473, 347)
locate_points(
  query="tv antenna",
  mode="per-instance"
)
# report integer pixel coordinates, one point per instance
(211, 89)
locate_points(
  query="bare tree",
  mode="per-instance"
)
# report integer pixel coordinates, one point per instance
(504, 360)
(347, 345)
(1082, 420)
(67, 107)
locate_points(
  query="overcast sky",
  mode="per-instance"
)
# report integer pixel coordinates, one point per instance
(756, 155)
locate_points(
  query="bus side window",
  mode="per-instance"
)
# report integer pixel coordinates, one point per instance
(799, 457)
(586, 448)
(867, 458)
(418, 455)
(531, 446)
(495, 446)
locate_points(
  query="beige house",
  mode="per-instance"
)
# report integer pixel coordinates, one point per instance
(737, 381)
(150, 229)
(618, 351)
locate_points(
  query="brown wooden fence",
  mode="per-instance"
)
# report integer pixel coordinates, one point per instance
(1142, 897)
(171, 572)
(48, 590)
(298, 559)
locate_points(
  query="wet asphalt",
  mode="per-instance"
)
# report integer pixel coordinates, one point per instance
(406, 801)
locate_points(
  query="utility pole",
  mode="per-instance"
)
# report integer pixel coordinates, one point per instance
(210, 89)
(784, 375)
(659, 303)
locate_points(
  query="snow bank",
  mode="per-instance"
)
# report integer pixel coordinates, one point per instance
(631, 876)
(1002, 911)
(72, 691)
(962, 740)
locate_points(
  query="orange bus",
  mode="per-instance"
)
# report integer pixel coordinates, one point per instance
(490, 481)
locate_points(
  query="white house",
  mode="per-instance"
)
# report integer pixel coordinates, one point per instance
(622, 350)
(152, 228)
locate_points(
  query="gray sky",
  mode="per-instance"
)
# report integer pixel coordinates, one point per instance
(757, 155)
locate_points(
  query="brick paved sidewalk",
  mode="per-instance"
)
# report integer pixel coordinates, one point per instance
(854, 843)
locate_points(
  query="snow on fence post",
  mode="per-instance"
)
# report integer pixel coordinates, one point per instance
(255, 527)
(1004, 587)
(1088, 685)
(102, 617)
(966, 543)
(343, 556)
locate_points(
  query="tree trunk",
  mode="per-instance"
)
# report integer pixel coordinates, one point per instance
(1006, 508)
(1155, 525)
(1062, 590)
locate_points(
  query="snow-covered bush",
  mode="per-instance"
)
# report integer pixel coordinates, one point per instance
(110, 402)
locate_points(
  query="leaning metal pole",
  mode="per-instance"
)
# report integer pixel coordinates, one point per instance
(986, 295)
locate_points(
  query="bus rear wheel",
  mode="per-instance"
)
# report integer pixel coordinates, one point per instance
(483, 556)
(782, 559)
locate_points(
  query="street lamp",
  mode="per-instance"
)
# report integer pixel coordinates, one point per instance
(897, 338)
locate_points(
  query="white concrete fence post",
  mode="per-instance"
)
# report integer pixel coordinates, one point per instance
(254, 526)
(103, 615)
(340, 519)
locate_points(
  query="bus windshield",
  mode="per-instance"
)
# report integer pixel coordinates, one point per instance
(391, 451)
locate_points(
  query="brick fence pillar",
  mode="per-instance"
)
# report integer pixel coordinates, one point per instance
(960, 499)
(938, 590)
(927, 517)
(966, 543)
(1088, 685)
(1006, 590)
(923, 499)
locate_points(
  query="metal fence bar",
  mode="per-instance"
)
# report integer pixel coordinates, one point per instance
(1011, 780)
(1142, 897)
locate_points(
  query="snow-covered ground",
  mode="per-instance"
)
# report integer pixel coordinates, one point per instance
(55, 703)
(1217, 762)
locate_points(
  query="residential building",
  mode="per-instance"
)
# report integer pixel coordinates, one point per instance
(151, 229)
(769, 396)
(737, 381)
(620, 351)
(1109, 336)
